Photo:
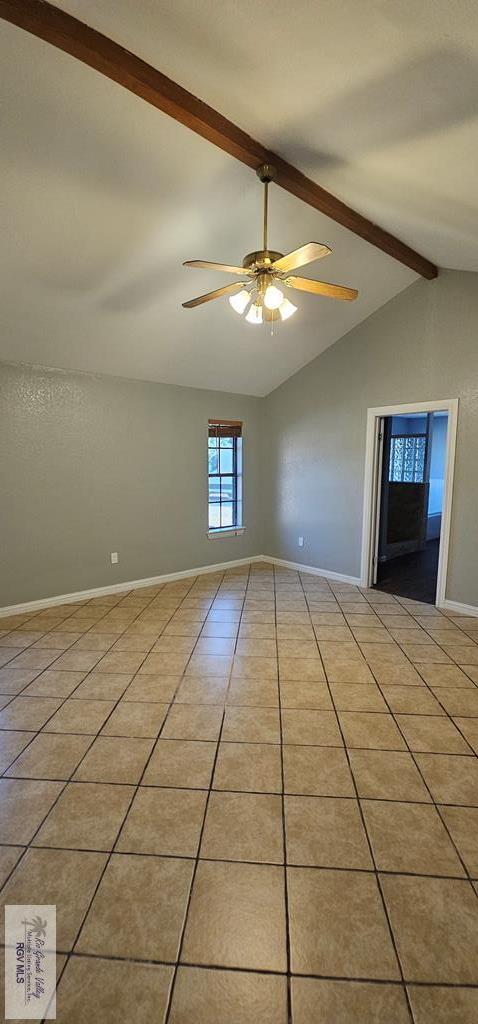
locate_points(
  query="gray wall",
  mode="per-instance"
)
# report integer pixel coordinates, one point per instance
(91, 464)
(423, 345)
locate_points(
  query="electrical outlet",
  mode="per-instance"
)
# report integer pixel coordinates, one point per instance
(114, 558)
(301, 542)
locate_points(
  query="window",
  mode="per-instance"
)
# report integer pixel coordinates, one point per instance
(407, 458)
(224, 475)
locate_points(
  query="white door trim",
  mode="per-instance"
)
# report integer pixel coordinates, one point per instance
(371, 485)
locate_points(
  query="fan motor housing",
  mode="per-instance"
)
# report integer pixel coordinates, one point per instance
(261, 259)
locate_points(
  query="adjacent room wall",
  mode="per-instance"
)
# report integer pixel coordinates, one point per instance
(437, 464)
(91, 465)
(418, 424)
(422, 345)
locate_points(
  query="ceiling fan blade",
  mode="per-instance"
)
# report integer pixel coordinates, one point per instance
(333, 291)
(299, 257)
(224, 267)
(227, 289)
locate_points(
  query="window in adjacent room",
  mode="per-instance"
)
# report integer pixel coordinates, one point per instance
(224, 475)
(407, 458)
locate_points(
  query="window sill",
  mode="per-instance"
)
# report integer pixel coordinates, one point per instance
(228, 531)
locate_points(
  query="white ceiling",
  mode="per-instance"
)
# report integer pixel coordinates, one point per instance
(105, 196)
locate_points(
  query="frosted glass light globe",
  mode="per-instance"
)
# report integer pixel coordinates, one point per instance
(273, 297)
(239, 301)
(254, 315)
(286, 309)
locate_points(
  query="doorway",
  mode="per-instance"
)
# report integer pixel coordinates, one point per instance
(411, 499)
(407, 501)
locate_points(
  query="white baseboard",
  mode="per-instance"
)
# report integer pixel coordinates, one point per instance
(339, 577)
(460, 609)
(118, 588)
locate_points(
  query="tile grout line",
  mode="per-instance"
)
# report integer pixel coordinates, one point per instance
(30, 846)
(284, 827)
(259, 863)
(422, 776)
(109, 853)
(94, 668)
(433, 801)
(172, 988)
(63, 788)
(371, 852)
(172, 702)
(68, 696)
(42, 731)
(396, 982)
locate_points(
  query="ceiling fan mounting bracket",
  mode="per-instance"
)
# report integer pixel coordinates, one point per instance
(266, 173)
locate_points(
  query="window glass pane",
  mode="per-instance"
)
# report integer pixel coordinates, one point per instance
(417, 457)
(227, 460)
(214, 488)
(239, 455)
(224, 481)
(407, 459)
(396, 458)
(227, 515)
(214, 516)
(227, 488)
(213, 460)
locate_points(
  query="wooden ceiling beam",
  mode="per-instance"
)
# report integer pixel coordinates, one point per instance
(72, 36)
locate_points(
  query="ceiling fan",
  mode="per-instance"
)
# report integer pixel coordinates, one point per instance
(260, 296)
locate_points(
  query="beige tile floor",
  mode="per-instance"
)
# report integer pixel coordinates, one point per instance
(252, 795)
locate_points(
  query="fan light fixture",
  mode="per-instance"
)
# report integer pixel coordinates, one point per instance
(254, 315)
(273, 297)
(259, 297)
(240, 301)
(259, 305)
(286, 309)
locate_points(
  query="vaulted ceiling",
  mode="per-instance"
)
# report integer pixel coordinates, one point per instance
(104, 196)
